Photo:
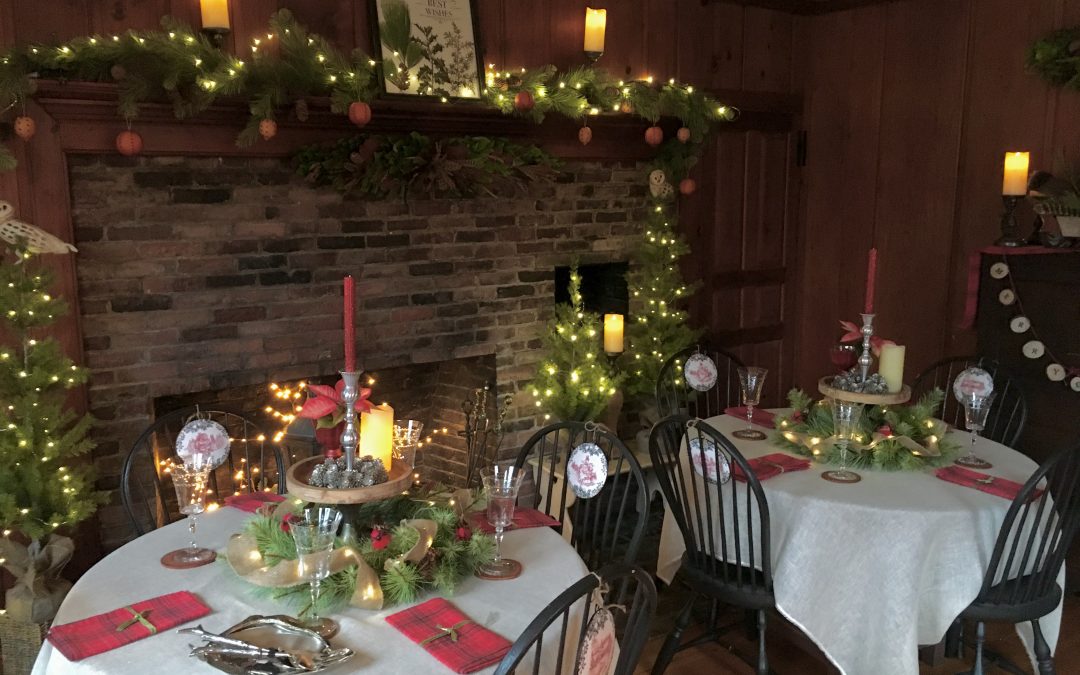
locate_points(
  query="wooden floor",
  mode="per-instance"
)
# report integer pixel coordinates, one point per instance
(789, 655)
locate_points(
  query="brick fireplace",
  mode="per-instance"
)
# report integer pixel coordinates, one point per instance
(202, 275)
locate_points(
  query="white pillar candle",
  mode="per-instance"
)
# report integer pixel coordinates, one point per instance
(891, 366)
(1014, 183)
(377, 433)
(613, 333)
(595, 26)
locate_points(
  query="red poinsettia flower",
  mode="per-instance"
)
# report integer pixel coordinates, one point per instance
(853, 333)
(327, 402)
(288, 520)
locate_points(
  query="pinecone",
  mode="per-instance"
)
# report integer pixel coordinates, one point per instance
(426, 565)
(852, 381)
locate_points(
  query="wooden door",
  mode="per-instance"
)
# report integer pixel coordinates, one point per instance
(741, 226)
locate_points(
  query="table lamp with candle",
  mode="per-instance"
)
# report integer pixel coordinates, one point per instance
(1014, 187)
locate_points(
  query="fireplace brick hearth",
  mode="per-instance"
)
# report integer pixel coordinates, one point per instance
(197, 274)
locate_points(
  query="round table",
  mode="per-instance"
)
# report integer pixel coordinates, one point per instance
(133, 573)
(871, 570)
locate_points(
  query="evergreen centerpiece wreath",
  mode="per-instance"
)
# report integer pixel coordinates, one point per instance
(405, 546)
(890, 438)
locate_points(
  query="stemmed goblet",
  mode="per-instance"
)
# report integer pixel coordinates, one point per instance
(190, 484)
(751, 382)
(314, 532)
(501, 485)
(976, 409)
(846, 418)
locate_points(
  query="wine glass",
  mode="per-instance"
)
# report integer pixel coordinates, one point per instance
(844, 355)
(406, 438)
(190, 484)
(751, 382)
(314, 532)
(846, 417)
(976, 409)
(501, 485)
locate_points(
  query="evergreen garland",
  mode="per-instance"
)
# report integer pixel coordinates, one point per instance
(181, 66)
(40, 489)
(574, 381)
(450, 559)
(659, 328)
(813, 420)
(378, 165)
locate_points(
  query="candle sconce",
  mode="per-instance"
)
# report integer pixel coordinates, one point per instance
(1009, 228)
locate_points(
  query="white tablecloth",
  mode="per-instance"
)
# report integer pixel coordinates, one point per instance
(132, 573)
(873, 569)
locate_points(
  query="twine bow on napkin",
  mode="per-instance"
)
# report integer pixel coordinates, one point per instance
(137, 617)
(452, 632)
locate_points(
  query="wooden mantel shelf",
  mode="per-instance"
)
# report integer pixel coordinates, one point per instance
(88, 123)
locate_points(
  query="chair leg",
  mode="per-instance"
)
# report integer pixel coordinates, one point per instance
(954, 641)
(1042, 651)
(762, 658)
(980, 638)
(671, 644)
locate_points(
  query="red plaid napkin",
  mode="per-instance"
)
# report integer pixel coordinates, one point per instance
(771, 465)
(983, 482)
(436, 623)
(523, 518)
(98, 633)
(762, 418)
(253, 501)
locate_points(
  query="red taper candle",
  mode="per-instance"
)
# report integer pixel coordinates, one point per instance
(871, 281)
(350, 325)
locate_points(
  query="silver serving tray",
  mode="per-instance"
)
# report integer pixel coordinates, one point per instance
(277, 632)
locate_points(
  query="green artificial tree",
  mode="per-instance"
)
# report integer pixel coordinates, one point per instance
(41, 489)
(657, 289)
(575, 381)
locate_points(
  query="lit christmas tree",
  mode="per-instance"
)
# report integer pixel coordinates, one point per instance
(657, 290)
(40, 490)
(575, 381)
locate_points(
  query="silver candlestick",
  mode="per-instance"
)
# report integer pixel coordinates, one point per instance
(865, 359)
(350, 435)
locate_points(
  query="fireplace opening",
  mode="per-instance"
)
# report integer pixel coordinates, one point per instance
(432, 393)
(604, 288)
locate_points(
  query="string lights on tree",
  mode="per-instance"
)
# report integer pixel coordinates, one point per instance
(41, 489)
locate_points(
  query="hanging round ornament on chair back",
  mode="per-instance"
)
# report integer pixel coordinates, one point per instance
(708, 461)
(972, 381)
(202, 444)
(700, 372)
(587, 470)
(599, 649)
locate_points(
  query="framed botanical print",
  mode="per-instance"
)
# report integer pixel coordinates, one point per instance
(428, 47)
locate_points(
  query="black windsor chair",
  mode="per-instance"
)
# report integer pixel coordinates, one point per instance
(1021, 581)
(631, 597)
(607, 527)
(1009, 412)
(675, 397)
(254, 464)
(725, 526)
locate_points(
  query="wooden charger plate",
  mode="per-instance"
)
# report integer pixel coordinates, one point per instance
(298, 474)
(826, 388)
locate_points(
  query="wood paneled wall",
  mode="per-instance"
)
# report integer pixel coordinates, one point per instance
(910, 106)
